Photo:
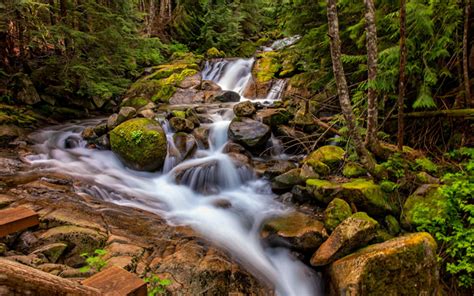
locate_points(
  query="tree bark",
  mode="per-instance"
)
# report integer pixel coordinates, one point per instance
(465, 56)
(372, 108)
(401, 82)
(342, 89)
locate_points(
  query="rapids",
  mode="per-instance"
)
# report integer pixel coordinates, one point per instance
(235, 228)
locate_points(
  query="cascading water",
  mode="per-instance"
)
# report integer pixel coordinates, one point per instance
(234, 228)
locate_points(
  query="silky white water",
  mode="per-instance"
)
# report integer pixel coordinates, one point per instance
(235, 229)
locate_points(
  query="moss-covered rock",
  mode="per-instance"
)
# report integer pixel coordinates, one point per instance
(266, 66)
(274, 117)
(318, 167)
(215, 53)
(140, 143)
(303, 118)
(330, 155)
(365, 194)
(135, 102)
(404, 265)
(337, 211)
(244, 109)
(354, 232)
(392, 225)
(288, 180)
(179, 124)
(302, 232)
(353, 170)
(247, 49)
(425, 204)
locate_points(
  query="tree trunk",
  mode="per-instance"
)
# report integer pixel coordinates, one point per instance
(465, 55)
(342, 89)
(401, 82)
(63, 19)
(372, 109)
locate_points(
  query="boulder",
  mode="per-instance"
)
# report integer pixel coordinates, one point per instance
(299, 231)
(187, 96)
(425, 204)
(191, 81)
(185, 144)
(100, 129)
(287, 180)
(337, 211)
(201, 134)
(88, 134)
(82, 240)
(226, 96)
(112, 121)
(365, 194)
(329, 155)
(248, 132)
(354, 232)
(141, 143)
(125, 114)
(244, 109)
(278, 168)
(405, 265)
(274, 117)
(353, 170)
(147, 113)
(179, 124)
(210, 85)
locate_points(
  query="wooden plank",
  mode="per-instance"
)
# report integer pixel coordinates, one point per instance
(117, 281)
(17, 219)
(19, 279)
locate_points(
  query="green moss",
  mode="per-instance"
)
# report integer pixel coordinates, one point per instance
(392, 224)
(267, 66)
(388, 186)
(368, 195)
(426, 204)
(353, 169)
(164, 94)
(319, 167)
(330, 155)
(247, 49)
(178, 113)
(140, 142)
(215, 53)
(337, 211)
(135, 102)
(323, 191)
(426, 165)
(365, 217)
(262, 41)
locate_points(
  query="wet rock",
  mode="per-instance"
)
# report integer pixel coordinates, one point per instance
(100, 129)
(244, 109)
(337, 211)
(278, 168)
(353, 170)
(392, 225)
(425, 204)
(147, 113)
(365, 194)
(318, 167)
(210, 85)
(103, 142)
(249, 133)
(191, 81)
(185, 144)
(287, 180)
(83, 240)
(112, 121)
(404, 265)
(125, 114)
(8, 133)
(226, 96)
(187, 96)
(354, 232)
(179, 124)
(52, 251)
(141, 143)
(201, 134)
(299, 231)
(72, 142)
(88, 134)
(136, 102)
(25, 241)
(274, 117)
(301, 194)
(329, 155)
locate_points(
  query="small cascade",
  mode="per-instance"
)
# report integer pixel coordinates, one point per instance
(230, 74)
(276, 91)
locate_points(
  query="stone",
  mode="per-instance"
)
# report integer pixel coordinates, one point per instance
(278, 168)
(201, 134)
(353, 170)
(287, 180)
(83, 240)
(425, 178)
(210, 85)
(187, 96)
(140, 143)
(318, 167)
(112, 121)
(185, 144)
(274, 117)
(125, 114)
(191, 81)
(249, 133)
(244, 109)
(103, 142)
(100, 129)
(179, 124)
(147, 113)
(337, 211)
(354, 232)
(365, 194)
(303, 118)
(88, 134)
(425, 204)
(8, 133)
(297, 230)
(226, 96)
(405, 265)
(52, 251)
(392, 225)
(329, 155)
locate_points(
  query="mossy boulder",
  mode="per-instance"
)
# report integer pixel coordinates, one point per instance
(337, 211)
(353, 170)
(244, 109)
(405, 265)
(425, 204)
(135, 102)
(329, 155)
(266, 66)
(365, 194)
(215, 53)
(140, 143)
(318, 167)
(299, 231)
(393, 227)
(274, 117)
(287, 180)
(354, 232)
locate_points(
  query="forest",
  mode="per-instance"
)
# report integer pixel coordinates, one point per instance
(237, 147)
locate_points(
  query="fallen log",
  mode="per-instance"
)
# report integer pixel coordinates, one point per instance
(463, 113)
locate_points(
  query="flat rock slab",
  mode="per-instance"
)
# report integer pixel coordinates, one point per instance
(117, 281)
(17, 219)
